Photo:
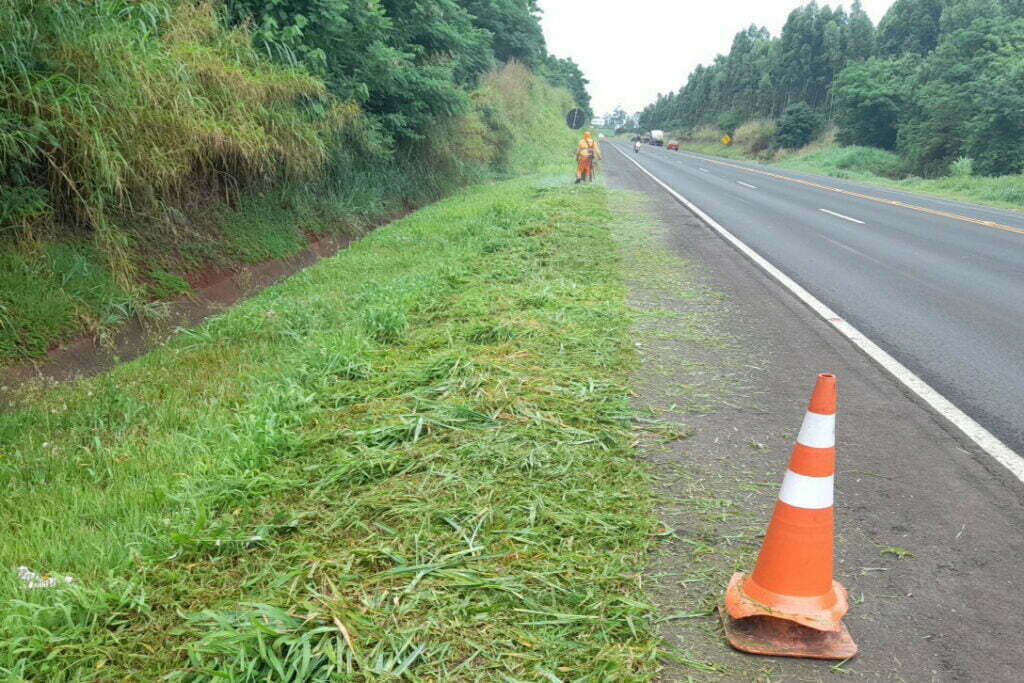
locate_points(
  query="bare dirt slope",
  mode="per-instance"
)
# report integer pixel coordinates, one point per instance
(931, 531)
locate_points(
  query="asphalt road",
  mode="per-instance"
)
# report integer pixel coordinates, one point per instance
(940, 287)
(734, 371)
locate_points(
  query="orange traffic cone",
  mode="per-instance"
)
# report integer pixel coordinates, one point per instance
(790, 605)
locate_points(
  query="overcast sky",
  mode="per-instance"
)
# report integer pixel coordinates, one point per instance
(630, 51)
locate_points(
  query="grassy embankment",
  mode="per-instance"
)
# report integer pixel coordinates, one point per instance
(752, 141)
(414, 458)
(141, 144)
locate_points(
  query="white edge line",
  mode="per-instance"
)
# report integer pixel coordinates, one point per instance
(740, 182)
(845, 218)
(704, 170)
(987, 441)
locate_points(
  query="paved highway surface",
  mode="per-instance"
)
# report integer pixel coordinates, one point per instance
(938, 284)
(902, 482)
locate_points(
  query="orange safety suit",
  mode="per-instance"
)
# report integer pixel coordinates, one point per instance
(586, 152)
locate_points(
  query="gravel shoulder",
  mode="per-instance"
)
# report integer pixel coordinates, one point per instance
(929, 528)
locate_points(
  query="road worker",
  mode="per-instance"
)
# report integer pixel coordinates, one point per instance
(586, 152)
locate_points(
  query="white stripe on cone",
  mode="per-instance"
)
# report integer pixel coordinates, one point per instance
(810, 493)
(818, 431)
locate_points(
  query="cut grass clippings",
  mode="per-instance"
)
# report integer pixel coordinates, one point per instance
(692, 366)
(413, 460)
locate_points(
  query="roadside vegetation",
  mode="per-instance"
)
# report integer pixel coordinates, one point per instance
(414, 459)
(928, 100)
(144, 142)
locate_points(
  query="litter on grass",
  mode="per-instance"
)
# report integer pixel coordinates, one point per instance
(33, 580)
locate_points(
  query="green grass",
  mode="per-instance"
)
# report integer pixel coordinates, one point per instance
(853, 163)
(412, 460)
(50, 290)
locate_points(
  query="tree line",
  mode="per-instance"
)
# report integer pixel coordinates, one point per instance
(935, 81)
(406, 62)
(113, 113)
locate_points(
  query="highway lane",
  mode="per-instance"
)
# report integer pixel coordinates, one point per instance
(943, 295)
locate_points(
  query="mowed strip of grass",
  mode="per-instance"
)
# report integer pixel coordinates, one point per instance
(412, 460)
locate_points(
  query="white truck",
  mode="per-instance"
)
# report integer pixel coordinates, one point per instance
(657, 138)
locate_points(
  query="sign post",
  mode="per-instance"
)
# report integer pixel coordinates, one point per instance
(575, 119)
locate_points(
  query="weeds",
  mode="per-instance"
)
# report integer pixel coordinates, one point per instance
(962, 168)
(386, 324)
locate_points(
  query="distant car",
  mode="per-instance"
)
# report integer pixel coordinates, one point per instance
(673, 144)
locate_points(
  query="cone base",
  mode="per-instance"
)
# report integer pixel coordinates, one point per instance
(780, 638)
(822, 612)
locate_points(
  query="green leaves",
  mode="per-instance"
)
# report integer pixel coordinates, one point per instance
(410, 64)
(798, 126)
(870, 99)
(565, 73)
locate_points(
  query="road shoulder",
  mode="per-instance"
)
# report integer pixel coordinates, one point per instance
(928, 529)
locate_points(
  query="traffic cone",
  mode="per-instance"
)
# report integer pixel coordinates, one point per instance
(790, 605)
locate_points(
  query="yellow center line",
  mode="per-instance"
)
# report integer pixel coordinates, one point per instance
(870, 198)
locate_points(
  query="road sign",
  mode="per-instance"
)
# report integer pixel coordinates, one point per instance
(576, 119)
(727, 140)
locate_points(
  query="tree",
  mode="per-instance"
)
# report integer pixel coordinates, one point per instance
(514, 26)
(617, 119)
(441, 33)
(565, 73)
(962, 14)
(408, 63)
(762, 75)
(910, 26)
(730, 122)
(362, 55)
(869, 100)
(860, 35)
(798, 127)
(964, 101)
(995, 135)
(937, 80)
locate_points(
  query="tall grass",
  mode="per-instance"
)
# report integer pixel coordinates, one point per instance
(147, 137)
(524, 114)
(112, 114)
(847, 162)
(126, 103)
(962, 168)
(757, 136)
